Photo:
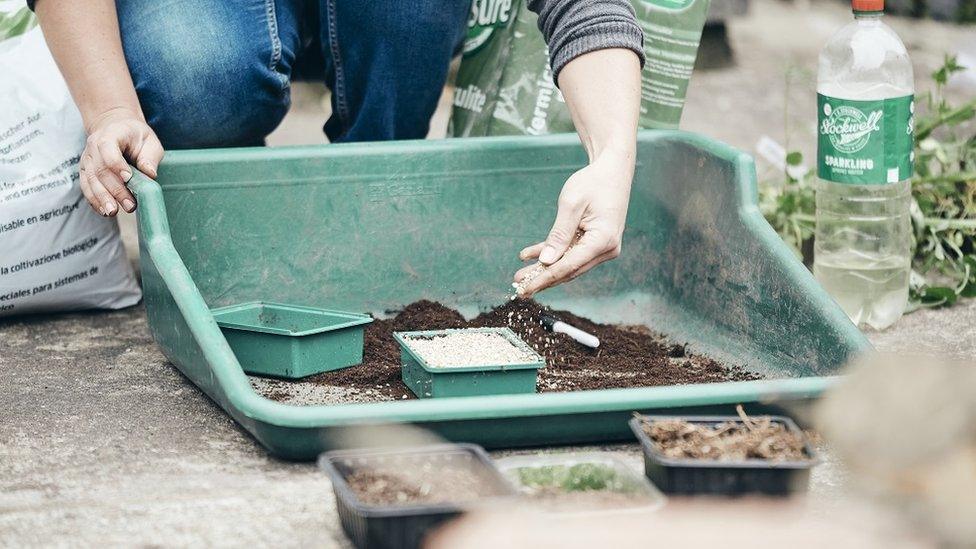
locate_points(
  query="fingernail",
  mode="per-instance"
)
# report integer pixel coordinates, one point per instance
(548, 255)
(108, 208)
(126, 175)
(128, 205)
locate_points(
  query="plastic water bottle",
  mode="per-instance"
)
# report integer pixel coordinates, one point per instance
(865, 100)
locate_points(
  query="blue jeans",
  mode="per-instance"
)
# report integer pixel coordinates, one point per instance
(216, 73)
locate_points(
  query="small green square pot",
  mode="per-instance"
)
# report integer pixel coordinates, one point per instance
(426, 381)
(291, 341)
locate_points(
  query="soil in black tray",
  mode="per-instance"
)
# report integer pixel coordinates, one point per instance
(425, 485)
(754, 438)
(628, 356)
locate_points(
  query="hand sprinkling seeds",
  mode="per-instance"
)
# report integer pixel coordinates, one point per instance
(537, 270)
(529, 277)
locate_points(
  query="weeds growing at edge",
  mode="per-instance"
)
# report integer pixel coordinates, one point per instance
(943, 205)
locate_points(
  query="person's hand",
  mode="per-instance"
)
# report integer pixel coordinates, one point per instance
(113, 138)
(589, 225)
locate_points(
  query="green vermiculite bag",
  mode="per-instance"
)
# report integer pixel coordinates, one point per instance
(505, 87)
(486, 50)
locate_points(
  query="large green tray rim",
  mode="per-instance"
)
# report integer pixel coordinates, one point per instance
(243, 401)
(353, 319)
(507, 333)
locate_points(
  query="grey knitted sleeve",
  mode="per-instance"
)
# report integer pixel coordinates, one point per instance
(575, 27)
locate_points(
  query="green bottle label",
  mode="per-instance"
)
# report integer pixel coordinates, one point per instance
(865, 142)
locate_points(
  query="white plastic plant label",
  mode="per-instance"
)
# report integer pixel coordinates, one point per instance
(56, 254)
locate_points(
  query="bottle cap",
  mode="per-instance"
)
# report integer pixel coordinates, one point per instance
(867, 5)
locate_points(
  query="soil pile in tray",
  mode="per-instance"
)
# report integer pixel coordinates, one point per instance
(423, 486)
(627, 357)
(754, 438)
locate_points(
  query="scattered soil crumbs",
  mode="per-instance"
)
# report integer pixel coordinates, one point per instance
(753, 438)
(420, 484)
(628, 356)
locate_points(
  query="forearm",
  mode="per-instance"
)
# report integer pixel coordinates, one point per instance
(596, 51)
(83, 36)
(602, 91)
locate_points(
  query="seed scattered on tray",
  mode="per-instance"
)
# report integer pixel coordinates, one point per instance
(467, 349)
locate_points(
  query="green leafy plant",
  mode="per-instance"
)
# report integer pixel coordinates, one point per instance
(789, 206)
(580, 477)
(943, 207)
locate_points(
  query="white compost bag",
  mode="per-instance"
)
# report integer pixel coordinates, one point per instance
(56, 254)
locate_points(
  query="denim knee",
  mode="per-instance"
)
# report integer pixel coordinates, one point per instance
(208, 76)
(387, 62)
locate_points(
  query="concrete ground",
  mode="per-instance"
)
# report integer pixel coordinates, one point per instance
(102, 442)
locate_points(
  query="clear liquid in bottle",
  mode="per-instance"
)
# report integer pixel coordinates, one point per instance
(865, 92)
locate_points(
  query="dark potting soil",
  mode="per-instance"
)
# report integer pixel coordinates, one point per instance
(427, 485)
(628, 356)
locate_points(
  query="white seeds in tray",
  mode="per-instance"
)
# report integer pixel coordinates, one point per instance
(465, 349)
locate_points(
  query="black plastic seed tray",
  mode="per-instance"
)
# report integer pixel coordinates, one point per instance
(724, 478)
(404, 526)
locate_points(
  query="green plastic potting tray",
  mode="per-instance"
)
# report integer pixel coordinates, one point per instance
(488, 379)
(373, 227)
(291, 341)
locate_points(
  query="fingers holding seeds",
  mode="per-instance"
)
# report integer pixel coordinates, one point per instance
(590, 251)
(531, 252)
(564, 232)
(524, 272)
(607, 256)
